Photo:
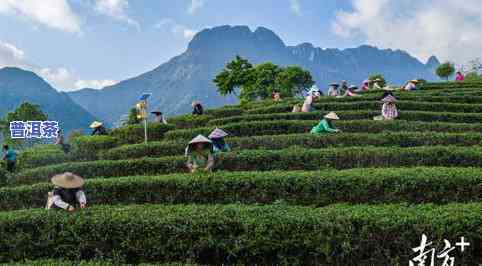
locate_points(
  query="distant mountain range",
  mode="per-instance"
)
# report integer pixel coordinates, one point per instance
(189, 76)
(17, 86)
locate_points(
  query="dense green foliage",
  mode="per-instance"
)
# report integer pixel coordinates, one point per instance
(388, 185)
(266, 160)
(259, 128)
(293, 198)
(260, 81)
(85, 263)
(402, 139)
(133, 118)
(265, 235)
(445, 70)
(376, 105)
(135, 133)
(24, 112)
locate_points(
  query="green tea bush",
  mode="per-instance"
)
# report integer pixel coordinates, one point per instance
(135, 133)
(355, 115)
(32, 160)
(259, 128)
(267, 160)
(451, 84)
(189, 121)
(224, 111)
(402, 139)
(40, 155)
(240, 234)
(388, 185)
(84, 263)
(86, 147)
(376, 105)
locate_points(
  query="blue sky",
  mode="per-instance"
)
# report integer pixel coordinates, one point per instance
(79, 43)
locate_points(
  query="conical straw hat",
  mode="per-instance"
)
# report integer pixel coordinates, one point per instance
(218, 133)
(156, 112)
(68, 180)
(332, 115)
(389, 99)
(95, 124)
(414, 81)
(200, 139)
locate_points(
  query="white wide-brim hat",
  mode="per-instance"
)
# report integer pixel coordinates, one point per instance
(200, 139)
(95, 124)
(68, 180)
(332, 115)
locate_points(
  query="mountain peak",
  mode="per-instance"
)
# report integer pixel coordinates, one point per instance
(234, 36)
(267, 35)
(432, 62)
(16, 74)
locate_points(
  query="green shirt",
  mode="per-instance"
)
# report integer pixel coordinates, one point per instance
(201, 159)
(323, 127)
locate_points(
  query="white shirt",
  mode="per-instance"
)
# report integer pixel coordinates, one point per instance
(80, 195)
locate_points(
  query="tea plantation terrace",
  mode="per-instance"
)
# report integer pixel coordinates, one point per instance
(282, 197)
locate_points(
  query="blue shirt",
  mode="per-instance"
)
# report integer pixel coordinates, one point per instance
(11, 155)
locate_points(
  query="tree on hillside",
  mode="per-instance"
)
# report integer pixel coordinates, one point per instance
(236, 74)
(25, 112)
(132, 119)
(258, 82)
(445, 70)
(264, 79)
(374, 77)
(294, 80)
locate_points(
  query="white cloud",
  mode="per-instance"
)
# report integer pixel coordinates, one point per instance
(175, 28)
(55, 14)
(449, 29)
(195, 5)
(116, 9)
(95, 84)
(295, 6)
(60, 78)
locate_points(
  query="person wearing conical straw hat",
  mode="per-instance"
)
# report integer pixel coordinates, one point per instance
(459, 76)
(158, 117)
(313, 94)
(389, 109)
(276, 95)
(68, 193)
(333, 90)
(98, 129)
(219, 144)
(326, 124)
(200, 155)
(365, 85)
(411, 85)
(377, 84)
(351, 92)
(197, 108)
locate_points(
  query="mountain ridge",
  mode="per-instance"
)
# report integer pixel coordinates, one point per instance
(18, 85)
(189, 76)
